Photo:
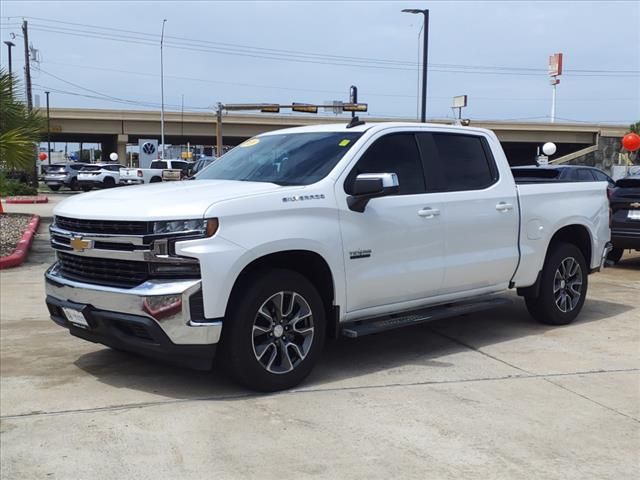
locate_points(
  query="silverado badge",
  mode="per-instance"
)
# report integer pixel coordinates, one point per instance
(79, 244)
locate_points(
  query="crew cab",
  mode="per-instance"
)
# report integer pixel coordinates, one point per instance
(299, 235)
(155, 173)
(101, 175)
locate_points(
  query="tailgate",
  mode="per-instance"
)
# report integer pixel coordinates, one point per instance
(130, 173)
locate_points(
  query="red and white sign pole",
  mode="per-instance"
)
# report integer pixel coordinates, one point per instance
(555, 70)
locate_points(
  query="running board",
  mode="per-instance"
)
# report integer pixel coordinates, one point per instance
(361, 328)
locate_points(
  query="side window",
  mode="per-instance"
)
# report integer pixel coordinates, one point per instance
(158, 164)
(584, 175)
(462, 162)
(394, 153)
(602, 177)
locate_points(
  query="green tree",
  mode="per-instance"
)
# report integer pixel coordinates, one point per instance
(20, 129)
(635, 127)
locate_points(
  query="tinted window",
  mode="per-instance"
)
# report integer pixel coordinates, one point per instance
(159, 164)
(584, 175)
(457, 162)
(77, 167)
(284, 159)
(395, 153)
(601, 176)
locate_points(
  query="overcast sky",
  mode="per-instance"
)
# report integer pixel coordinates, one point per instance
(107, 54)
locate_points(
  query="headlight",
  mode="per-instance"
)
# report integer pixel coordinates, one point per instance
(204, 227)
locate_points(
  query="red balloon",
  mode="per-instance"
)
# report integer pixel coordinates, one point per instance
(631, 142)
(42, 156)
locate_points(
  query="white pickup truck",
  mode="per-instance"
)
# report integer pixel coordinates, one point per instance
(299, 235)
(154, 174)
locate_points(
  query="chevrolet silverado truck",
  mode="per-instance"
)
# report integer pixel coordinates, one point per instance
(305, 234)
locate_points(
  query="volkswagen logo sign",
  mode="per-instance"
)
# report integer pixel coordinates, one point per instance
(149, 148)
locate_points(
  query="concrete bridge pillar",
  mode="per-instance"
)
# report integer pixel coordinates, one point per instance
(122, 148)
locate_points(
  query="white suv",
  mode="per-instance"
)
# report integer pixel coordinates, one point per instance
(99, 175)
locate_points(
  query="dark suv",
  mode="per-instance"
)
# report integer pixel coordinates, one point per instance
(625, 220)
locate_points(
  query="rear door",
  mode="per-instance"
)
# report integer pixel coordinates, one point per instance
(480, 213)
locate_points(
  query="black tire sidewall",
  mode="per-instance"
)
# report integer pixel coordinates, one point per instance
(615, 254)
(236, 347)
(544, 307)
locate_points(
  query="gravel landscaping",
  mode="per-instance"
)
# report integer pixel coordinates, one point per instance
(12, 226)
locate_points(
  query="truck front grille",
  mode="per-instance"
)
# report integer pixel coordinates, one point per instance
(110, 227)
(122, 273)
(101, 271)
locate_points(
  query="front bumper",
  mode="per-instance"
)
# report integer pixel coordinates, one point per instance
(158, 318)
(626, 238)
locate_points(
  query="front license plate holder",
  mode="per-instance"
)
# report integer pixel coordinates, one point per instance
(633, 215)
(76, 317)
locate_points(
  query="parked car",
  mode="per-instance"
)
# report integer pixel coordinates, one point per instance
(320, 231)
(561, 173)
(99, 175)
(625, 219)
(63, 175)
(202, 163)
(153, 174)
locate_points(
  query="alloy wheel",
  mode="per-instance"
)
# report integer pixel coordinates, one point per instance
(567, 285)
(282, 333)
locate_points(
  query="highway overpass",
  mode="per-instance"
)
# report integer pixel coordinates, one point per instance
(114, 129)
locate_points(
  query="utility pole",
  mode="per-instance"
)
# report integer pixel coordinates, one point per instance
(48, 130)
(219, 129)
(27, 66)
(162, 89)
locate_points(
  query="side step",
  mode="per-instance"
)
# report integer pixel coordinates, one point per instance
(361, 328)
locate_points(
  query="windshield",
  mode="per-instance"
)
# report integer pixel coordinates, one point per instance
(287, 159)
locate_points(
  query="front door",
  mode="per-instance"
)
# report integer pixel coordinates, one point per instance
(394, 250)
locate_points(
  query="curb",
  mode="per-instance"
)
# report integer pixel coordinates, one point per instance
(27, 199)
(19, 255)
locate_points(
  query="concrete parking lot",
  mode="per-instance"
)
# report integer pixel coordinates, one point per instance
(487, 395)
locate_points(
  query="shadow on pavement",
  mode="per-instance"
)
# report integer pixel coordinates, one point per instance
(421, 345)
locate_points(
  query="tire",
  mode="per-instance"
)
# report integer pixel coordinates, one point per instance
(108, 182)
(86, 188)
(260, 350)
(155, 180)
(54, 188)
(615, 255)
(73, 185)
(563, 286)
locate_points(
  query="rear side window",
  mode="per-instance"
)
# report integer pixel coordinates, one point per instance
(456, 162)
(394, 153)
(77, 167)
(159, 164)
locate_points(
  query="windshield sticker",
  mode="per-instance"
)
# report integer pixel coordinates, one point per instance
(250, 143)
(344, 143)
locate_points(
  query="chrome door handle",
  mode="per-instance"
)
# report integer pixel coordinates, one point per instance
(429, 212)
(504, 207)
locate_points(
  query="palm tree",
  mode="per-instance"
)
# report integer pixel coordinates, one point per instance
(20, 129)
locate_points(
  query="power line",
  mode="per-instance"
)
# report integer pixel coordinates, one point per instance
(274, 54)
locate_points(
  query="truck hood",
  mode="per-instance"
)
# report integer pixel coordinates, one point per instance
(158, 201)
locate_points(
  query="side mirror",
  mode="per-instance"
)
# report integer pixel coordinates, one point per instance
(371, 185)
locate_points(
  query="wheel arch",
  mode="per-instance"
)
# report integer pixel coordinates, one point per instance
(575, 234)
(308, 263)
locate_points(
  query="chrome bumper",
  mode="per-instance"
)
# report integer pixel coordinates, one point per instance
(164, 302)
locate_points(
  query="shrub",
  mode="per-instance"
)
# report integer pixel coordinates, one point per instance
(10, 187)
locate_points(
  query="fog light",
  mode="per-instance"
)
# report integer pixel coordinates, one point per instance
(162, 306)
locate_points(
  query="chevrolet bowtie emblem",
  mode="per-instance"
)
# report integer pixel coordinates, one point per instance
(79, 244)
(635, 205)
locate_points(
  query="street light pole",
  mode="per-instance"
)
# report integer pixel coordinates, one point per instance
(425, 51)
(162, 89)
(9, 45)
(48, 130)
